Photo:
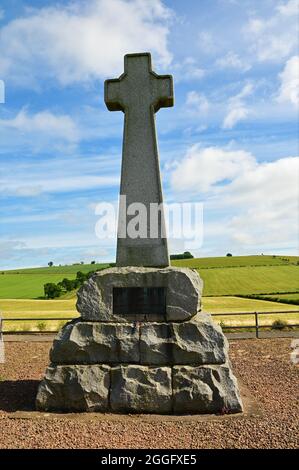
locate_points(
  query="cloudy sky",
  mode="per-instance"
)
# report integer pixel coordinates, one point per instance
(230, 142)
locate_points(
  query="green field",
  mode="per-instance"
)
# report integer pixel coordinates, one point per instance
(234, 261)
(250, 280)
(240, 275)
(67, 269)
(29, 283)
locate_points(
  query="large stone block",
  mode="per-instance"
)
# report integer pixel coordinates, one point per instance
(141, 389)
(205, 389)
(183, 293)
(74, 388)
(198, 341)
(95, 343)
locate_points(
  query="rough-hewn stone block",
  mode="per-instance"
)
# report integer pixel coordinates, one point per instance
(96, 343)
(183, 293)
(74, 388)
(205, 389)
(199, 341)
(141, 389)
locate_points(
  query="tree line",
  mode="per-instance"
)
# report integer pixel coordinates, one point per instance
(52, 290)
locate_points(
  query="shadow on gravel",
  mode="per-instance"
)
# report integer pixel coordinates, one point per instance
(18, 395)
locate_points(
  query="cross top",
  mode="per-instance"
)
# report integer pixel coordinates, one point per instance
(139, 86)
(139, 93)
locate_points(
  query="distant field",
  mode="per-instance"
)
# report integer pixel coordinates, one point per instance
(27, 286)
(29, 283)
(250, 280)
(12, 308)
(222, 276)
(68, 269)
(233, 261)
(238, 304)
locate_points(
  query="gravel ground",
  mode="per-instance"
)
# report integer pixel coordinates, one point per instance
(263, 367)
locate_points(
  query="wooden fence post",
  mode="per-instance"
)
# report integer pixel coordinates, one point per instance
(256, 324)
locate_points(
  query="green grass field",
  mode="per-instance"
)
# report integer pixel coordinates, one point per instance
(222, 276)
(29, 283)
(60, 270)
(250, 280)
(234, 261)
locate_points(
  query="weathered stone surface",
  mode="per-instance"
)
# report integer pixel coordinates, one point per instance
(139, 93)
(198, 341)
(74, 388)
(205, 389)
(141, 389)
(183, 293)
(96, 343)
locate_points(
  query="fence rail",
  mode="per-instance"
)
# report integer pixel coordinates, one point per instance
(257, 326)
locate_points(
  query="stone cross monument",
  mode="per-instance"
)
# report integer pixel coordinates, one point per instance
(139, 93)
(141, 343)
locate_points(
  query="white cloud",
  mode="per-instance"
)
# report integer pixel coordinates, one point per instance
(197, 101)
(202, 168)
(274, 38)
(237, 110)
(290, 8)
(187, 70)
(44, 122)
(289, 89)
(257, 202)
(57, 185)
(8, 248)
(81, 41)
(232, 61)
(206, 42)
(239, 113)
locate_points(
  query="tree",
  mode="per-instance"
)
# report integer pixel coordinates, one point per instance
(229, 254)
(52, 291)
(93, 262)
(188, 255)
(50, 264)
(67, 284)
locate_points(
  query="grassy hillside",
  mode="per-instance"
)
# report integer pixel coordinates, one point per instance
(234, 261)
(222, 276)
(67, 269)
(29, 283)
(250, 280)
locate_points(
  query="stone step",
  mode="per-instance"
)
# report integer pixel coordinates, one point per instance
(198, 341)
(139, 389)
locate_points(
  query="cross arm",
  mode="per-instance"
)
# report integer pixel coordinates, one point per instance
(163, 91)
(112, 94)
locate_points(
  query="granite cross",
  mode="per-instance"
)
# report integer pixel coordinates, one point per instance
(140, 93)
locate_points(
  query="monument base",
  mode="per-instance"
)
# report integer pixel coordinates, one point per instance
(104, 362)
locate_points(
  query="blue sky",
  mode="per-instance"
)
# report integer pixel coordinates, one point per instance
(230, 142)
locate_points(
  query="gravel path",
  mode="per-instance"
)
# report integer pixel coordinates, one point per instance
(263, 366)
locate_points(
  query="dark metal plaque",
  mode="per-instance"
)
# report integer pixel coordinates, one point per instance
(139, 300)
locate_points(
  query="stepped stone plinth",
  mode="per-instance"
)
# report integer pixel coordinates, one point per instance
(176, 362)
